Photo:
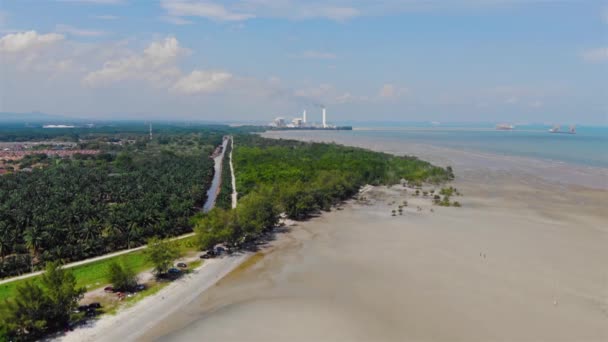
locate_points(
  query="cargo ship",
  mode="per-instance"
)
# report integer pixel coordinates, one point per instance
(557, 129)
(505, 127)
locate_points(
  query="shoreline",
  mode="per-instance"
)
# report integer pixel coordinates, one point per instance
(495, 269)
(130, 322)
(469, 162)
(521, 260)
(207, 296)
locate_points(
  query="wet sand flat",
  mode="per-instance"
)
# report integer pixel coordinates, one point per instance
(520, 261)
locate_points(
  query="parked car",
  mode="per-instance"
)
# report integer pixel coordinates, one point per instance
(83, 308)
(174, 270)
(95, 305)
(140, 287)
(208, 255)
(182, 265)
(108, 289)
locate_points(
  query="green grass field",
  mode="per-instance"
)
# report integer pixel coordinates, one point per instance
(93, 275)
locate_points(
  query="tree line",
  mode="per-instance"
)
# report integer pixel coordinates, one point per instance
(77, 208)
(51, 303)
(300, 179)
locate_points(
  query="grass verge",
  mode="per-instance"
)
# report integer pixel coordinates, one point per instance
(93, 275)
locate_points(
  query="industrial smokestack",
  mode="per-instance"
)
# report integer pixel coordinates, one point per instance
(304, 116)
(324, 118)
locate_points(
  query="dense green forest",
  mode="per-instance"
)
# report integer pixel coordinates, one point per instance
(300, 179)
(109, 131)
(311, 176)
(224, 198)
(75, 208)
(138, 188)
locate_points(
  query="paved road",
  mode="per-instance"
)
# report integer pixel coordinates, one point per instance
(234, 193)
(212, 194)
(129, 324)
(88, 261)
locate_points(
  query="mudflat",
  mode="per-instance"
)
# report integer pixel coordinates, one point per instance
(523, 259)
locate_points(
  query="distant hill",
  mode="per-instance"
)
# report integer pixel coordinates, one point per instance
(34, 117)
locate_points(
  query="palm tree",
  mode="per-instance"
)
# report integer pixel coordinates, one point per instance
(33, 239)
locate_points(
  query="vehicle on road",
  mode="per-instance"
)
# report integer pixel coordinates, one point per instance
(208, 255)
(174, 271)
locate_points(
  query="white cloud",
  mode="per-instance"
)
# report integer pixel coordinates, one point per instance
(247, 9)
(100, 2)
(336, 10)
(312, 54)
(188, 8)
(78, 31)
(175, 20)
(27, 41)
(202, 81)
(333, 13)
(156, 64)
(106, 17)
(595, 55)
(390, 91)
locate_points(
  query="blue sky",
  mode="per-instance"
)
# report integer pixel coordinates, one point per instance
(395, 60)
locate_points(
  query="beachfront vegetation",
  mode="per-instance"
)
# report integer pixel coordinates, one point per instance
(161, 253)
(307, 177)
(41, 307)
(70, 209)
(447, 193)
(122, 277)
(255, 213)
(300, 179)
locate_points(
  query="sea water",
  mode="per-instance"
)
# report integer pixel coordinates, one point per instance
(588, 147)
(527, 151)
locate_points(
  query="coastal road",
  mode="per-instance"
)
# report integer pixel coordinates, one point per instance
(211, 196)
(234, 193)
(130, 323)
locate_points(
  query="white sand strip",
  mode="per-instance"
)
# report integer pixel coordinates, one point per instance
(129, 323)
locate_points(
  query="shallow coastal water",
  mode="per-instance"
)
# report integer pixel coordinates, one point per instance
(587, 147)
(473, 161)
(524, 259)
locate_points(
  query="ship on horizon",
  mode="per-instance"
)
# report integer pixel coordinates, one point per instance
(505, 127)
(557, 129)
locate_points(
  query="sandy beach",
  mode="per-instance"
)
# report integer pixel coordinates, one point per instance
(522, 260)
(131, 322)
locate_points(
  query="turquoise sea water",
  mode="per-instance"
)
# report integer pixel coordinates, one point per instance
(589, 146)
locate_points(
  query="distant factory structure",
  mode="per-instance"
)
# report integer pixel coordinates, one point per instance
(280, 123)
